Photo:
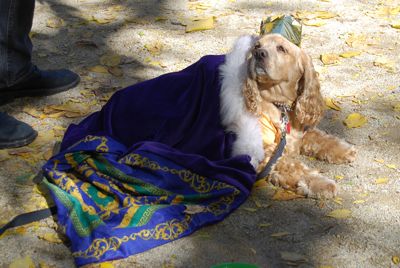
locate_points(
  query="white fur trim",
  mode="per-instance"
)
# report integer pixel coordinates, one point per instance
(234, 114)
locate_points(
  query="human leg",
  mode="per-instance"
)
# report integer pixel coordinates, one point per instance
(18, 76)
(15, 45)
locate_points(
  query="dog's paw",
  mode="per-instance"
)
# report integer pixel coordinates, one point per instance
(279, 181)
(348, 156)
(317, 187)
(343, 154)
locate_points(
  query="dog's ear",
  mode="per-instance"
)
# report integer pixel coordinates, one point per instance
(252, 97)
(309, 105)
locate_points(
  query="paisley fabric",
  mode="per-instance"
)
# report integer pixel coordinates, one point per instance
(152, 166)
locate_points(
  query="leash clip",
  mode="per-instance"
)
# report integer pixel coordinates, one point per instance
(285, 125)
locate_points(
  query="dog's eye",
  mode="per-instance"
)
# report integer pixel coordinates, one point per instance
(281, 49)
(257, 45)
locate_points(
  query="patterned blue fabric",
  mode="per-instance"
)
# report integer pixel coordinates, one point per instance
(152, 166)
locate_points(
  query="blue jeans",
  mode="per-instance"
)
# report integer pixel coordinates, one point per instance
(15, 45)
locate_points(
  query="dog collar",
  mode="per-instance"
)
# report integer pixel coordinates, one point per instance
(285, 124)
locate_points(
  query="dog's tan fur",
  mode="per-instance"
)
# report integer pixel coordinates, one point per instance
(280, 72)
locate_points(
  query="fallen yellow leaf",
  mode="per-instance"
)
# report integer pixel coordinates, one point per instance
(355, 120)
(154, 63)
(42, 264)
(314, 22)
(358, 101)
(54, 114)
(391, 166)
(200, 24)
(4, 155)
(198, 6)
(20, 230)
(250, 209)
(110, 59)
(338, 200)
(396, 259)
(395, 25)
(106, 265)
(381, 161)
(70, 109)
(116, 71)
(32, 111)
(386, 64)
(328, 59)
(87, 93)
(339, 214)
(98, 69)
(339, 177)
(136, 20)
(55, 22)
(385, 11)
(284, 195)
(396, 107)
(356, 40)
(381, 181)
(32, 34)
(260, 183)
(15, 231)
(293, 257)
(103, 18)
(50, 237)
(359, 201)
(280, 234)
(116, 8)
(160, 18)
(22, 150)
(350, 54)
(264, 225)
(314, 15)
(154, 48)
(25, 262)
(257, 203)
(332, 104)
(106, 97)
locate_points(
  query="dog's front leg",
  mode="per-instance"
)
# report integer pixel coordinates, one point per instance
(323, 146)
(292, 174)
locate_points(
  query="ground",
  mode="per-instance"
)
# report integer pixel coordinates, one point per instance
(112, 44)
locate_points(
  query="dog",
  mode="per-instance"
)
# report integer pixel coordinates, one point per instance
(265, 79)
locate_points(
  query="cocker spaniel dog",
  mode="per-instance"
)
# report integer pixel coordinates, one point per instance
(265, 80)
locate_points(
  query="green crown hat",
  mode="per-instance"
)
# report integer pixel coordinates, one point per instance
(284, 25)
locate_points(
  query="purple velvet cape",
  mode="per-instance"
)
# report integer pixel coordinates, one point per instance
(173, 119)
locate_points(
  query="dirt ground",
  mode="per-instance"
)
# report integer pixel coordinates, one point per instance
(113, 44)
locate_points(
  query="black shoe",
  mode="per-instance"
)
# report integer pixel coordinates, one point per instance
(14, 133)
(41, 83)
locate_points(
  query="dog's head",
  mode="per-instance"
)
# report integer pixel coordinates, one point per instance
(281, 72)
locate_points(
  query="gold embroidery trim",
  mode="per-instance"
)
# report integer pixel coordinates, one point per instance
(170, 230)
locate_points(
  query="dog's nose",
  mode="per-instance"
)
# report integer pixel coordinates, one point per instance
(261, 53)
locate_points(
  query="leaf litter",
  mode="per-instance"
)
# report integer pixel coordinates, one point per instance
(339, 214)
(200, 24)
(355, 120)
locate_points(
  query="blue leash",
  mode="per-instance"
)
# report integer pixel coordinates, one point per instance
(281, 146)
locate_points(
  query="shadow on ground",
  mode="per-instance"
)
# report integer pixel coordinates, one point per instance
(245, 236)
